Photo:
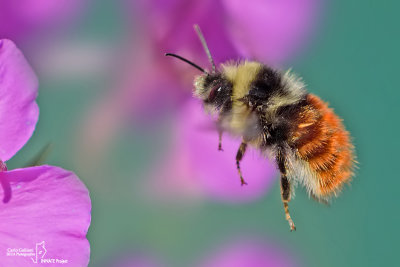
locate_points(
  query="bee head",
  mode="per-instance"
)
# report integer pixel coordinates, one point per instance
(214, 89)
(211, 87)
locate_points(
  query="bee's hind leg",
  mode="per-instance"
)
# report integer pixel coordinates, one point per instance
(285, 190)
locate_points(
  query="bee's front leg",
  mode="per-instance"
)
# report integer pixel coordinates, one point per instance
(220, 140)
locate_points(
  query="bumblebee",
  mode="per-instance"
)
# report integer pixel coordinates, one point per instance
(271, 111)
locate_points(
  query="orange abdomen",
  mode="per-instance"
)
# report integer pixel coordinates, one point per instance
(324, 144)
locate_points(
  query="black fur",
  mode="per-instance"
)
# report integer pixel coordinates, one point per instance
(267, 83)
(291, 111)
(278, 133)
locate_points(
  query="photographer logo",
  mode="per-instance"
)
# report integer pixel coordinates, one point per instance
(37, 254)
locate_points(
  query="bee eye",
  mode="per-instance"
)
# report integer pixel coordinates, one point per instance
(213, 93)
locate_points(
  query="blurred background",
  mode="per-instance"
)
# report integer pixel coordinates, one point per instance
(120, 114)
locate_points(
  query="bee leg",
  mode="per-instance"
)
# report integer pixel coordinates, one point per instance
(220, 140)
(239, 156)
(285, 192)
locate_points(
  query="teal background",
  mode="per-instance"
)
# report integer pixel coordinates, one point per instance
(352, 62)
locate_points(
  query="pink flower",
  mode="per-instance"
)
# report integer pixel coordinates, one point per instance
(48, 204)
(18, 109)
(23, 18)
(267, 30)
(249, 253)
(46, 210)
(239, 252)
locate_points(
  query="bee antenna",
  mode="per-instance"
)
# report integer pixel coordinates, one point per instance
(187, 61)
(204, 43)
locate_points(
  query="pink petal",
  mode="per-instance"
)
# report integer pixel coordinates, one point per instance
(249, 253)
(269, 30)
(18, 109)
(48, 204)
(217, 169)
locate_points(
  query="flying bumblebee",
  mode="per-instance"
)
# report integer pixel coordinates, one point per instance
(271, 111)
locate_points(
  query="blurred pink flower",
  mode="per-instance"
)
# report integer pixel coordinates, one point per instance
(270, 31)
(23, 18)
(267, 30)
(243, 252)
(249, 253)
(43, 203)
